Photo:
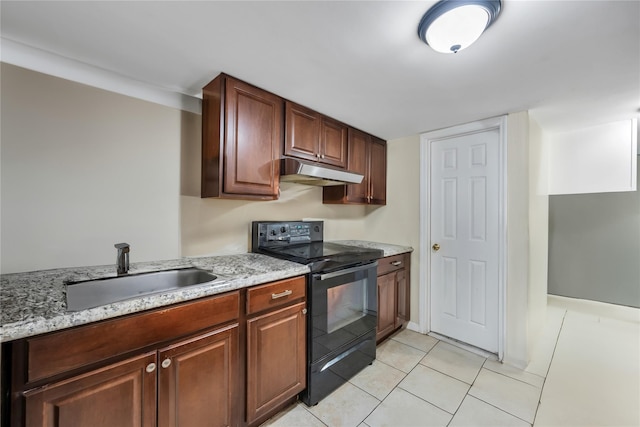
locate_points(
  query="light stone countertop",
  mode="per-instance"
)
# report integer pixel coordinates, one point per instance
(34, 303)
(389, 249)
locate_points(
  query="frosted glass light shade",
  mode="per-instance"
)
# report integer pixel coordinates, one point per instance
(452, 25)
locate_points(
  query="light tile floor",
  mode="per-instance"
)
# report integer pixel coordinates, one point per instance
(584, 371)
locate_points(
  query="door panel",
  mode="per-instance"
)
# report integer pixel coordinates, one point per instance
(333, 142)
(253, 140)
(357, 162)
(378, 172)
(89, 399)
(276, 362)
(386, 304)
(303, 128)
(464, 223)
(197, 380)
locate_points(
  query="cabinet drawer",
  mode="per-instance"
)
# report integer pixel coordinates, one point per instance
(275, 294)
(391, 263)
(100, 341)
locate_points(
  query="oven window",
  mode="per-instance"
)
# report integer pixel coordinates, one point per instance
(346, 304)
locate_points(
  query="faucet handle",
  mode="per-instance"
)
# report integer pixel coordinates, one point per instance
(122, 246)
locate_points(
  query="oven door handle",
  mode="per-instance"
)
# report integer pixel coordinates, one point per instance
(342, 272)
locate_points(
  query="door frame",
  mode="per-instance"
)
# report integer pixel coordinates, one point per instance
(424, 293)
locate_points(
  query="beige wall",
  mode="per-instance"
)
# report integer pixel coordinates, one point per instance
(399, 221)
(82, 169)
(538, 231)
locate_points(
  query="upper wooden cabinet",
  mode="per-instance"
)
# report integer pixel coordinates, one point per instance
(242, 133)
(311, 136)
(367, 156)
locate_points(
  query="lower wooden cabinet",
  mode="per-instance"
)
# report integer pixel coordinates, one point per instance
(122, 394)
(194, 381)
(276, 359)
(387, 312)
(205, 362)
(197, 380)
(393, 294)
(276, 346)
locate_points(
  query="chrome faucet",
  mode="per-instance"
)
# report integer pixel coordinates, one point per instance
(122, 261)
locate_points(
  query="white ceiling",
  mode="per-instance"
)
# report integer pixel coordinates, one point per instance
(571, 63)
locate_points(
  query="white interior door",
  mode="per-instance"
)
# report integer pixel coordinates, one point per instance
(465, 238)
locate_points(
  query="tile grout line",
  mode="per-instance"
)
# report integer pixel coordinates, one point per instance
(467, 393)
(515, 379)
(398, 385)
(483, 401)
(553, 353)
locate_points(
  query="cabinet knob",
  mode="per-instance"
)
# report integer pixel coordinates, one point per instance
(304, 311)
(151, 367)
(322, 156)
(166, 363)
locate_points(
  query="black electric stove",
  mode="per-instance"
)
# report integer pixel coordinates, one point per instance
(302, 242)
(342, 300)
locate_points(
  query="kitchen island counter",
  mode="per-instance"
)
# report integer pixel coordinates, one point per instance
(34, 303)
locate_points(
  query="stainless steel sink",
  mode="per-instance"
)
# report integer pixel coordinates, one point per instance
(94, 293)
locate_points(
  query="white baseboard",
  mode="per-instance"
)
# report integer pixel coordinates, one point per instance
(413, 326)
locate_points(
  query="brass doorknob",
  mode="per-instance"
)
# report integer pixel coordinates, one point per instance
(436, 247)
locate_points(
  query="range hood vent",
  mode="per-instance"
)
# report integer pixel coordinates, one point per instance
(309, 173)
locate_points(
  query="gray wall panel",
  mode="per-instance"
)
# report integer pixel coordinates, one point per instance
(594, 247)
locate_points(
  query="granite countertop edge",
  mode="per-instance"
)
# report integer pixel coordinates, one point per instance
(33, 303)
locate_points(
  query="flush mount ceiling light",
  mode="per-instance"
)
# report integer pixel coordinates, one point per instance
(453, 25)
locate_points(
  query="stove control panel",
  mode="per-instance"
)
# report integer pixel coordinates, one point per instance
(276, 233)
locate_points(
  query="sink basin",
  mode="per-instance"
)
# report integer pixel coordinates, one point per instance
(94, 293)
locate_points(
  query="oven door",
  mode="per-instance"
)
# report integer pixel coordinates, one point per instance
(343, 309)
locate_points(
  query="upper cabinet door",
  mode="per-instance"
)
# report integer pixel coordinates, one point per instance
(303, 132)
(242, 134)
(312, 136)
(253, 139)
(333, 142)
(367, 155)
(377, 172)
(358, 162)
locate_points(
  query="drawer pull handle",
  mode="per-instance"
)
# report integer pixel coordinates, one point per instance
(282, 294)
(396, 263)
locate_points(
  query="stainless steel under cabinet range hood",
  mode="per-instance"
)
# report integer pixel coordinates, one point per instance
(309, 173)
